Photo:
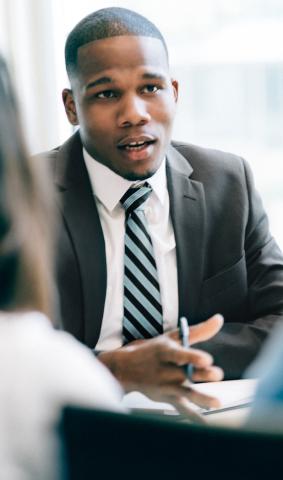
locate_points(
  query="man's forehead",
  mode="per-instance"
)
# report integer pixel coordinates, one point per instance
(127, 39)
(121, 52)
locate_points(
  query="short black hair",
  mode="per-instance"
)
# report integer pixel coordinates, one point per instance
(105, 23)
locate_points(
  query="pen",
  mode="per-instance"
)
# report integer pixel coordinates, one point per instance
(184, 332)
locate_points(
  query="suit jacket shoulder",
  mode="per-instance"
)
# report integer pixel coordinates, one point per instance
(207, 163)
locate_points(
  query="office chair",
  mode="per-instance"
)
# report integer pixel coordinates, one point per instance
(106, 445)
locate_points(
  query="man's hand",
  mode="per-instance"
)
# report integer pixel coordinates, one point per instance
(153, 367)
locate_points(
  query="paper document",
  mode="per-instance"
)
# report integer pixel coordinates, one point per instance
(233, 394)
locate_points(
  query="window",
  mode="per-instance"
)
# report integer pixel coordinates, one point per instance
(228, 58)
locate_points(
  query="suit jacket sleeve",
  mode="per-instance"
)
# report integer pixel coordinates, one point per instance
(239, 340)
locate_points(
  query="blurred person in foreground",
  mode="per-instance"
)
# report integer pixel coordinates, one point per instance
(41, 370)
(267, 409)
(153, 229)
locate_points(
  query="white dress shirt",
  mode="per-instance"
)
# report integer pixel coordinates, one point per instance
(108, 189)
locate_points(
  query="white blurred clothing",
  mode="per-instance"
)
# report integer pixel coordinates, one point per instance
(41, 371)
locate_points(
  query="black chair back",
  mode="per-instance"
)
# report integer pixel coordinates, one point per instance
(108, 445)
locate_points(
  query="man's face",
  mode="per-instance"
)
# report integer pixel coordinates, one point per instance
(124, 101)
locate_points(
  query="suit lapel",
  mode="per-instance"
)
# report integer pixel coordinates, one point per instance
(84, 227)
(187, 209)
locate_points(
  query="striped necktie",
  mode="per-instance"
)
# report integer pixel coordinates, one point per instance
(142, 302)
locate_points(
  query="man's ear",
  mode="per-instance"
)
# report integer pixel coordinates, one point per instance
(175, 86)
(70, 107)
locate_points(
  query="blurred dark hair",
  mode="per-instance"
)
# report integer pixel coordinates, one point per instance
(26, 215)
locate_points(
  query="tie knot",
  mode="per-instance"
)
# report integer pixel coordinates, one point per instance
(135, 197)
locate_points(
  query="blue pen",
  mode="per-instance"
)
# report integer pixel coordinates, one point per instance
(184, 332)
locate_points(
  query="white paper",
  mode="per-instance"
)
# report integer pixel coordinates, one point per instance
(231, 393)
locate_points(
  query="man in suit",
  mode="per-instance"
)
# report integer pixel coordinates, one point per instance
(212, 250)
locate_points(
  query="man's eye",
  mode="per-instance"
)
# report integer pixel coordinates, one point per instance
(151, 89)
(106, 94)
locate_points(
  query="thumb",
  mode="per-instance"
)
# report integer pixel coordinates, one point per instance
(205, 330)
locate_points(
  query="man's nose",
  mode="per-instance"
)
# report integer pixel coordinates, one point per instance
(133, 111)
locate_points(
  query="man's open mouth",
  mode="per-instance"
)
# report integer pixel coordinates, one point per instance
(135, 145)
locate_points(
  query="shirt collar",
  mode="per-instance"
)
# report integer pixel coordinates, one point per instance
(109, 187)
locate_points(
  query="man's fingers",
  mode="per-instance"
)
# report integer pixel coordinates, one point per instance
(199, 398)
(210, 374)
(172, 352)
(172, 374)
(202, 331)
(184, 407)
(183, 398)
(205, 330)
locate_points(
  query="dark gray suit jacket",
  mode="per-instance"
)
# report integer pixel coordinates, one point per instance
(227, 260)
